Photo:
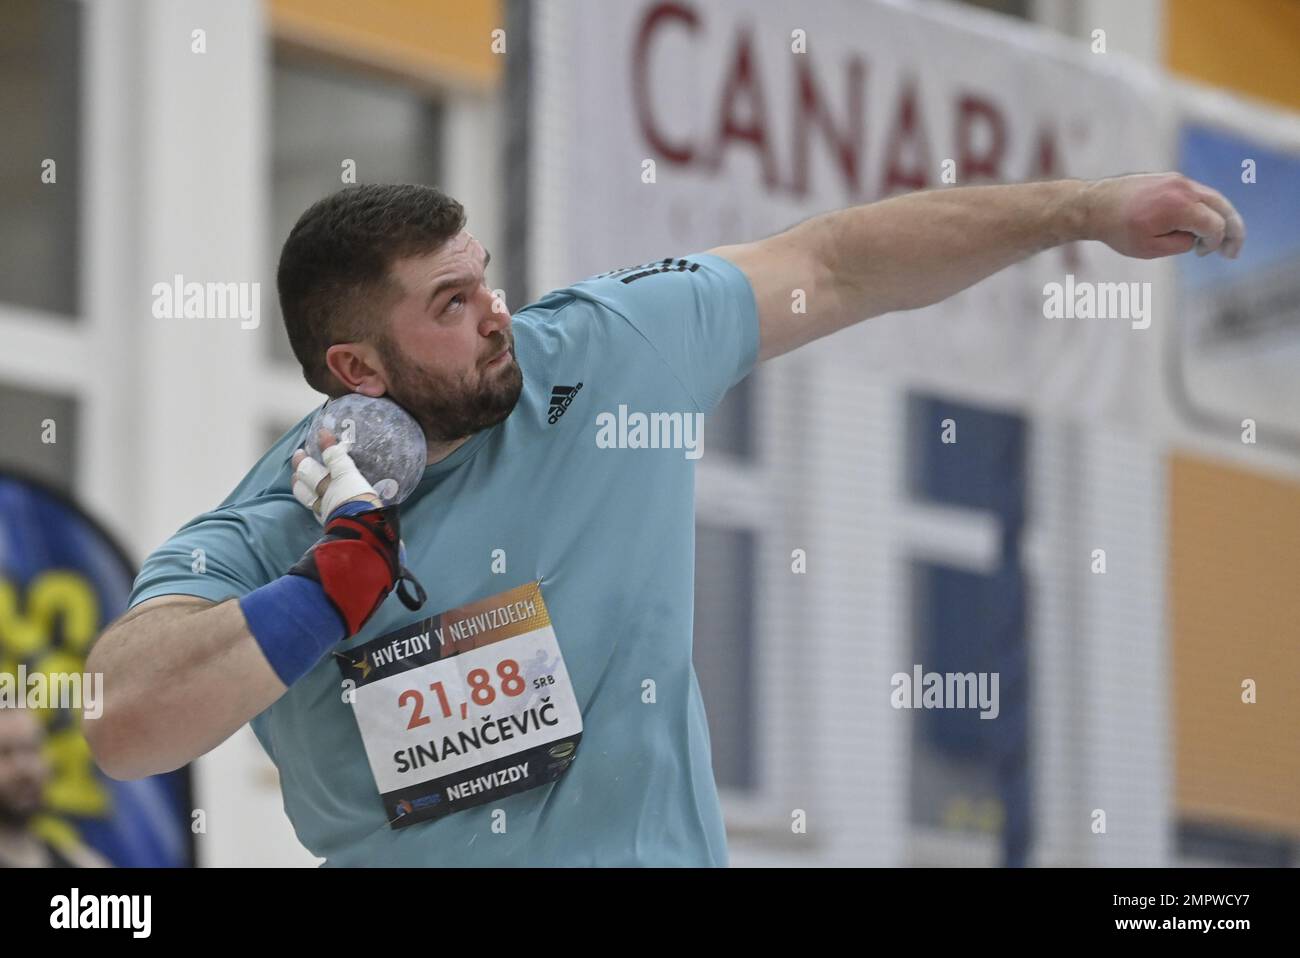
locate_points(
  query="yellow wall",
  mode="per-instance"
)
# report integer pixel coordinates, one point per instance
(443, 42)
(1250, 46)
(1235, 614)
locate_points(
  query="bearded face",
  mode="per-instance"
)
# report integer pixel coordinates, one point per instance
(452, 406)
(23, 770)
(445, 350)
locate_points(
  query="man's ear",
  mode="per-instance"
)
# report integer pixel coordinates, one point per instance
(357, 367)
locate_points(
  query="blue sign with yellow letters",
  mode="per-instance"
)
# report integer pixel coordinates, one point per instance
(62, 580)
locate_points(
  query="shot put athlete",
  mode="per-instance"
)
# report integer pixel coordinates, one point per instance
(527, 697)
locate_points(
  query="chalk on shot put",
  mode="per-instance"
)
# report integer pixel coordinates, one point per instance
(388, 445)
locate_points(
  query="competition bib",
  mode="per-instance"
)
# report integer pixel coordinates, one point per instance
(465, 707)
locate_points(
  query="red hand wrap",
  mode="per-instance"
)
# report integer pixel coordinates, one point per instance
(357, 562)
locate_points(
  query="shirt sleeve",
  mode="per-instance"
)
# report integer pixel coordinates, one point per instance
(697, 312)
(214, 556)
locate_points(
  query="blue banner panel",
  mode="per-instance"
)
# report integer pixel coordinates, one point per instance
(62, 580)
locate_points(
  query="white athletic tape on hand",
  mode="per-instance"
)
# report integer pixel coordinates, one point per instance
(304, 494)
(305, 480)
(346, 481)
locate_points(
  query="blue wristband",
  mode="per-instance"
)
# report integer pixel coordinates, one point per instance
(351, 508)
(294, 623)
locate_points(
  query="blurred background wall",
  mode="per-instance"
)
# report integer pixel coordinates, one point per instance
(188, 136)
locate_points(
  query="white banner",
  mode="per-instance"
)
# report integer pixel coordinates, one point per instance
(666, 128)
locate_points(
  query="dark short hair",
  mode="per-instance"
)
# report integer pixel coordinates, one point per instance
(333, 280)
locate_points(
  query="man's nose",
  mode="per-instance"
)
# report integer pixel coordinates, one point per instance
(496, 316)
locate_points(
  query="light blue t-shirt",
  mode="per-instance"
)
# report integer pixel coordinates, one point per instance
(610, 533)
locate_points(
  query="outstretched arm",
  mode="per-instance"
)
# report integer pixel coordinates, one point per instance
(914, 250)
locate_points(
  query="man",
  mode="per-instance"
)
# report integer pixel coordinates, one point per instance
(24, 773)
(558, 566)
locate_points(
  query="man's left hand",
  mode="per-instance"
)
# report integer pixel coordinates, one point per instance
(1149, 215)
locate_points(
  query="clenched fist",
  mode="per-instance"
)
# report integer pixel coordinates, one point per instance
(1149, 215)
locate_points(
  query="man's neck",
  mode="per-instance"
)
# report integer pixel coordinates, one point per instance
(439, 451)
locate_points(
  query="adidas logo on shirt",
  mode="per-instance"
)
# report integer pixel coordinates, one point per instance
(561, 397)
(650, 269)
